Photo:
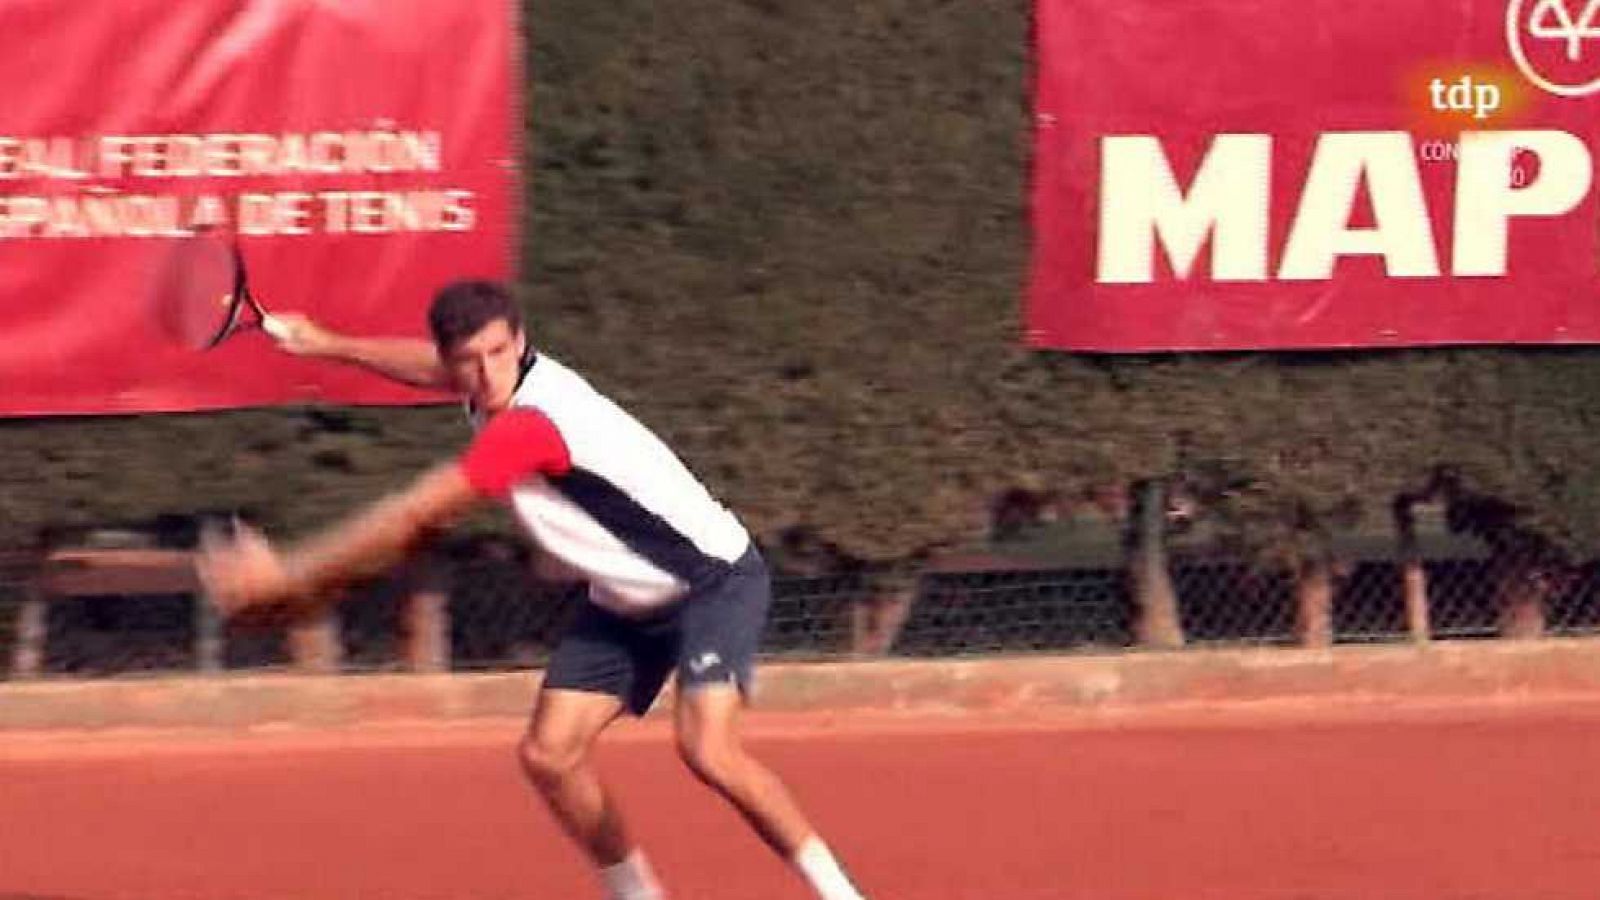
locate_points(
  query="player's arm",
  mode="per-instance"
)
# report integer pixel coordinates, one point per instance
(516, 445)
(246, 571)
(406, 360)
(380, 535)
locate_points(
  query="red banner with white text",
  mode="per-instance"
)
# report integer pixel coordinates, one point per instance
(361, 150)
(1251, 174)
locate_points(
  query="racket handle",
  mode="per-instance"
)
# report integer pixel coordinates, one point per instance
(275, 327)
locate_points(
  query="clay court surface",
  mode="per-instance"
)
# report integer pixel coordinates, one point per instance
(1296, 803)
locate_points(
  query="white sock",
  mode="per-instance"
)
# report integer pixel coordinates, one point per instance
(632, 879)
(815, 861)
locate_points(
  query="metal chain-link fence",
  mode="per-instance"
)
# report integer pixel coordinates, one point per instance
(496, 615)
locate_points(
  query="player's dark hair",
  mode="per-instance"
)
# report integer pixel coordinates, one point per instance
(462, 308)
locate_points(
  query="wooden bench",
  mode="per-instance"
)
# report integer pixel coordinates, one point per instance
(314, 645)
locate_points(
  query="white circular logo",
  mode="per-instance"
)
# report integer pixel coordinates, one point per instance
(1552, 20)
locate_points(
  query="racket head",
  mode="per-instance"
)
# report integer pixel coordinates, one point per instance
(201, 290)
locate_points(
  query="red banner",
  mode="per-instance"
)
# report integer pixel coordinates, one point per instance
(1221, 174)
(361, 149)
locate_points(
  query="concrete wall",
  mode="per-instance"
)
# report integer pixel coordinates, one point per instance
(1009, 688)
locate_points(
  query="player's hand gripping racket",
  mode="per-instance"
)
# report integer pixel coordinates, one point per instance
(205, 293)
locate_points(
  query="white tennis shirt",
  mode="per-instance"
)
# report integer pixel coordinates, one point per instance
(601, 493)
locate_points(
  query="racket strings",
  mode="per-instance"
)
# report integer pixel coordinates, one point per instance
(199, 289)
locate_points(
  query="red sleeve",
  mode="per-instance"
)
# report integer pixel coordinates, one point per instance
(514, 446)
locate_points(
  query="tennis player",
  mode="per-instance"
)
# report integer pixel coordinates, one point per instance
(675, 584)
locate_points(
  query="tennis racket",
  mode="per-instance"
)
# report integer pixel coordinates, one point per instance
(205, 294)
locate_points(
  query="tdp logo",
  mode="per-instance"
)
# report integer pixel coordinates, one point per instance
(1550, 44)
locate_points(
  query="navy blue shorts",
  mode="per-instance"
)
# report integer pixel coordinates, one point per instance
(709, 637)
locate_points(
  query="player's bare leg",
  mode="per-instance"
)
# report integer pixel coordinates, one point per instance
(708, 739)
(555, 754)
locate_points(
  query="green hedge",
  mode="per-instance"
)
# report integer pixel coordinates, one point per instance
(792, 238)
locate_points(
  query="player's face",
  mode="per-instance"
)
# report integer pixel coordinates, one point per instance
(486, 366)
